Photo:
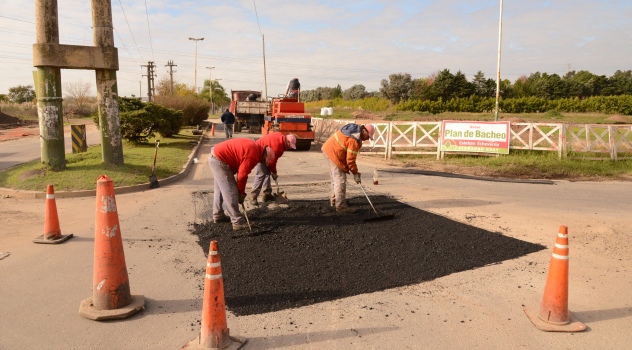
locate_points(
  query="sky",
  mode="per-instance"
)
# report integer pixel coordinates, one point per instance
(329, 43)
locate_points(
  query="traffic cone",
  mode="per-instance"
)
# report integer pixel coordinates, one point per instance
(111, 297)
(212, 129)
(214, 333)
(554, 315)
(52, 232)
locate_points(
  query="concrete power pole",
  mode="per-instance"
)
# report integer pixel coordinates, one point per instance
(171, 65)
(49, 57)
(151, 92)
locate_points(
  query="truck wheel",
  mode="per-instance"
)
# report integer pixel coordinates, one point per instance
(303, 145)
(237, 126)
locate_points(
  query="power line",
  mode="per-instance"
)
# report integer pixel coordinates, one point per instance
(130, 31)
(149, 30)
(15, 19)
(257, 15)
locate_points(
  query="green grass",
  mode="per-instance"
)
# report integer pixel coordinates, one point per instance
(83, 169)
(526, 164)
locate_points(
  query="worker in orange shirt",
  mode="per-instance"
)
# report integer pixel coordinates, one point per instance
(279, 143)
(227, 159)
(341, 150)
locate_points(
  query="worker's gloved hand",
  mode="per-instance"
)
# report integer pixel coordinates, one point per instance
(242, 197)
(357, 179)
(274, 176)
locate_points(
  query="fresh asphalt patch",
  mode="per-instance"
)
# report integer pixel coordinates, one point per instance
(307, 253)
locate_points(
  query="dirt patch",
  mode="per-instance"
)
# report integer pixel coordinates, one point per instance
(31, 174)
(364, 115)
(312, 254)
(618, 119)
(9, 122)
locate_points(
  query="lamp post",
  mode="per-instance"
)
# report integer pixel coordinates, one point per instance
(210, 87)
(195, 65)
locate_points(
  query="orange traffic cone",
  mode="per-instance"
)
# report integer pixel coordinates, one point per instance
(52, 232)
(212, 129)
(111, 297)
(554, 315)
(214, 333)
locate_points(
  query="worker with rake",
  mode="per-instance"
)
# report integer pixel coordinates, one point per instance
(227, 159)
(341, 150)
(279, 143)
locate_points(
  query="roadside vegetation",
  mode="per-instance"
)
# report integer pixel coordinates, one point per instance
(83, 169)
(575, 98)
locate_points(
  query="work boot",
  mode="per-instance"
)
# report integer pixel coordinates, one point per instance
(345, 210)
(268, 197)
(332, 202)
(220, 218)
(239, 227)
(253, 201)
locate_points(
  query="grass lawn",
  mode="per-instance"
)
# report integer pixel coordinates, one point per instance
(83, 169)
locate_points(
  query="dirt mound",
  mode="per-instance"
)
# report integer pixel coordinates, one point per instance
(618, 119)
(6, 119)
(311, 254)
(513, 120)
(364, 115)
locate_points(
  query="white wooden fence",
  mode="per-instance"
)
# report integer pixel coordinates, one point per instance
(424, 138)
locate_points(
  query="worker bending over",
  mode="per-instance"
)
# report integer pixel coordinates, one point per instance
(235, 156)
(341, 150)
(279, 143)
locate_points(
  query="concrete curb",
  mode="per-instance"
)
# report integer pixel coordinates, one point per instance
(117, 190)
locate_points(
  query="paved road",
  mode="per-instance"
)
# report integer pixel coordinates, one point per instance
(41, 286)
(25, 149)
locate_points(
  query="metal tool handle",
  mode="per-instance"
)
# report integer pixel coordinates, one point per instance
(246, 215)
(367, 198)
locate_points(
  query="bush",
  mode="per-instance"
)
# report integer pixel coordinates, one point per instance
(194, 109)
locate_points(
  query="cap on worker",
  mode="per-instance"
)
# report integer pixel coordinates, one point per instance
(292, 140)
(269, 155)
(370, 129)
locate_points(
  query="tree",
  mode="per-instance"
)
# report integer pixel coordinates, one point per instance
(78, 97)
(483, 87)
(397, 87)
(4, 98)
(21, 93)
(337, 93)
(356, 92)
(620, 83)
(220, 97)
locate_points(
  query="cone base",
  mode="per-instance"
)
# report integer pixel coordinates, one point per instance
(234, 344)
(87, 309)
(62, 238)
(572, 326)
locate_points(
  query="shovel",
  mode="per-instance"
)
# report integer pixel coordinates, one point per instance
(246, 215)
(379, 217)
(280, 197)
(153, 180)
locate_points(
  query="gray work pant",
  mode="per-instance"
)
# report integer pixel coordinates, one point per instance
(228, 129)
(338, 184)
(226, 194)
(262, 180)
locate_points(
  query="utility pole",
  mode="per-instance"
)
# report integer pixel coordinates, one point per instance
(195, 64)
(500, 36)
(150, 81)
(171, 65)
(210, 87)
(49, 57)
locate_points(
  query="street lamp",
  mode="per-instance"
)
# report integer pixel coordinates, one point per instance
(195, 67)
(210, 87)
